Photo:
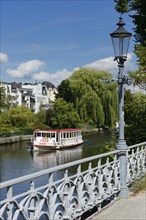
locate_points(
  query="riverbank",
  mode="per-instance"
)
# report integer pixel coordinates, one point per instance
(14, 139)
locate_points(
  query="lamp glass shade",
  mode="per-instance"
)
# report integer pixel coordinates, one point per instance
(120, 39)
(121, 46)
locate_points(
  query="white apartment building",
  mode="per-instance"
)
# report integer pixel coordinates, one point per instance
(31, 95)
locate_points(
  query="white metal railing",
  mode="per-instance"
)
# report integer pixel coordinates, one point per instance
(136, 162)
(69, 190)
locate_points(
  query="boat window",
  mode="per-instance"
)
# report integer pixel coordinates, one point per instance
(62, 135)
(52, 135)
(44, 134)
(37, 134)
(48, 135)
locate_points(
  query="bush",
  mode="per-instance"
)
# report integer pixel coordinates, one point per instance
(139, 185)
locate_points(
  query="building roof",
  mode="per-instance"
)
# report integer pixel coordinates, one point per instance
(48, 85)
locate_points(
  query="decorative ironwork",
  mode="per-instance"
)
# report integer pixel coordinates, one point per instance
(74, 193)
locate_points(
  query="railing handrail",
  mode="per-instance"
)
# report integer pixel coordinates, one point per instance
(136, 145)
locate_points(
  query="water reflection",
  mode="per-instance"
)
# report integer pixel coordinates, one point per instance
(55, 158)
(16, 160)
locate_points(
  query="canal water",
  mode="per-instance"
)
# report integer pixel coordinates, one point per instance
(17, 160)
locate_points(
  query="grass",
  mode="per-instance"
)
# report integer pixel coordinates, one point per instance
(139, 185)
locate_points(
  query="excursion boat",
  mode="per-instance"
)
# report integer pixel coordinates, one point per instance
(45, 140)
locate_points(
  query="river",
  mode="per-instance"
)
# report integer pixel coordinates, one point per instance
(17, 160)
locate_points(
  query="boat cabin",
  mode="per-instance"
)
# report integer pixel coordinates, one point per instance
(57, 138)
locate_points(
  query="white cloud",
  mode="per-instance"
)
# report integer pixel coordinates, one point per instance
(3, 58)
(32, 69)
(108, 64)
(26, 69)
(131, 65)
(55, 78)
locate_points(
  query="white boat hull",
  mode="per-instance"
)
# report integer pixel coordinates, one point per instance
(54, 147)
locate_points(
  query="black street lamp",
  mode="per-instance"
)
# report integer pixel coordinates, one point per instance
(120, 39)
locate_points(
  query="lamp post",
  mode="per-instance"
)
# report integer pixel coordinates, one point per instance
(120, 39)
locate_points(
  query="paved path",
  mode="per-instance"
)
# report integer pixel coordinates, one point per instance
(133, 208)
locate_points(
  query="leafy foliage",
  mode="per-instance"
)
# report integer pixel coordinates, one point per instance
(17, 117)
(5, 100)
(122, 6)
(94, 99)
(139, 185)
(2, 98)
(64, 115)
(41, 119)
(139, 20)
(110, 144)
(138, 8)
(64, 91)
(135, 117)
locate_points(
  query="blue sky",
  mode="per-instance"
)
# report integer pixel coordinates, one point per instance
(48, 40)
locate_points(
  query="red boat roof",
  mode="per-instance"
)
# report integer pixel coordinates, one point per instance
(58, 130)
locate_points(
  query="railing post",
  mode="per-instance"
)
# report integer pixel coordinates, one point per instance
(10, 205)
(65, 197)
(32, 208)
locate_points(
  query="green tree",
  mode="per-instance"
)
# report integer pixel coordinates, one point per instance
(18, 117)
(95, 99)
(2, 99)
(41, 119)
(138, 9)
(135, 117)
(122, 6)
(5, 100)
(64, 115)
(64, 91)
(139, 20)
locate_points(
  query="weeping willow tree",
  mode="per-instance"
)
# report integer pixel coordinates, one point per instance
(109, 102)
(93, 98)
